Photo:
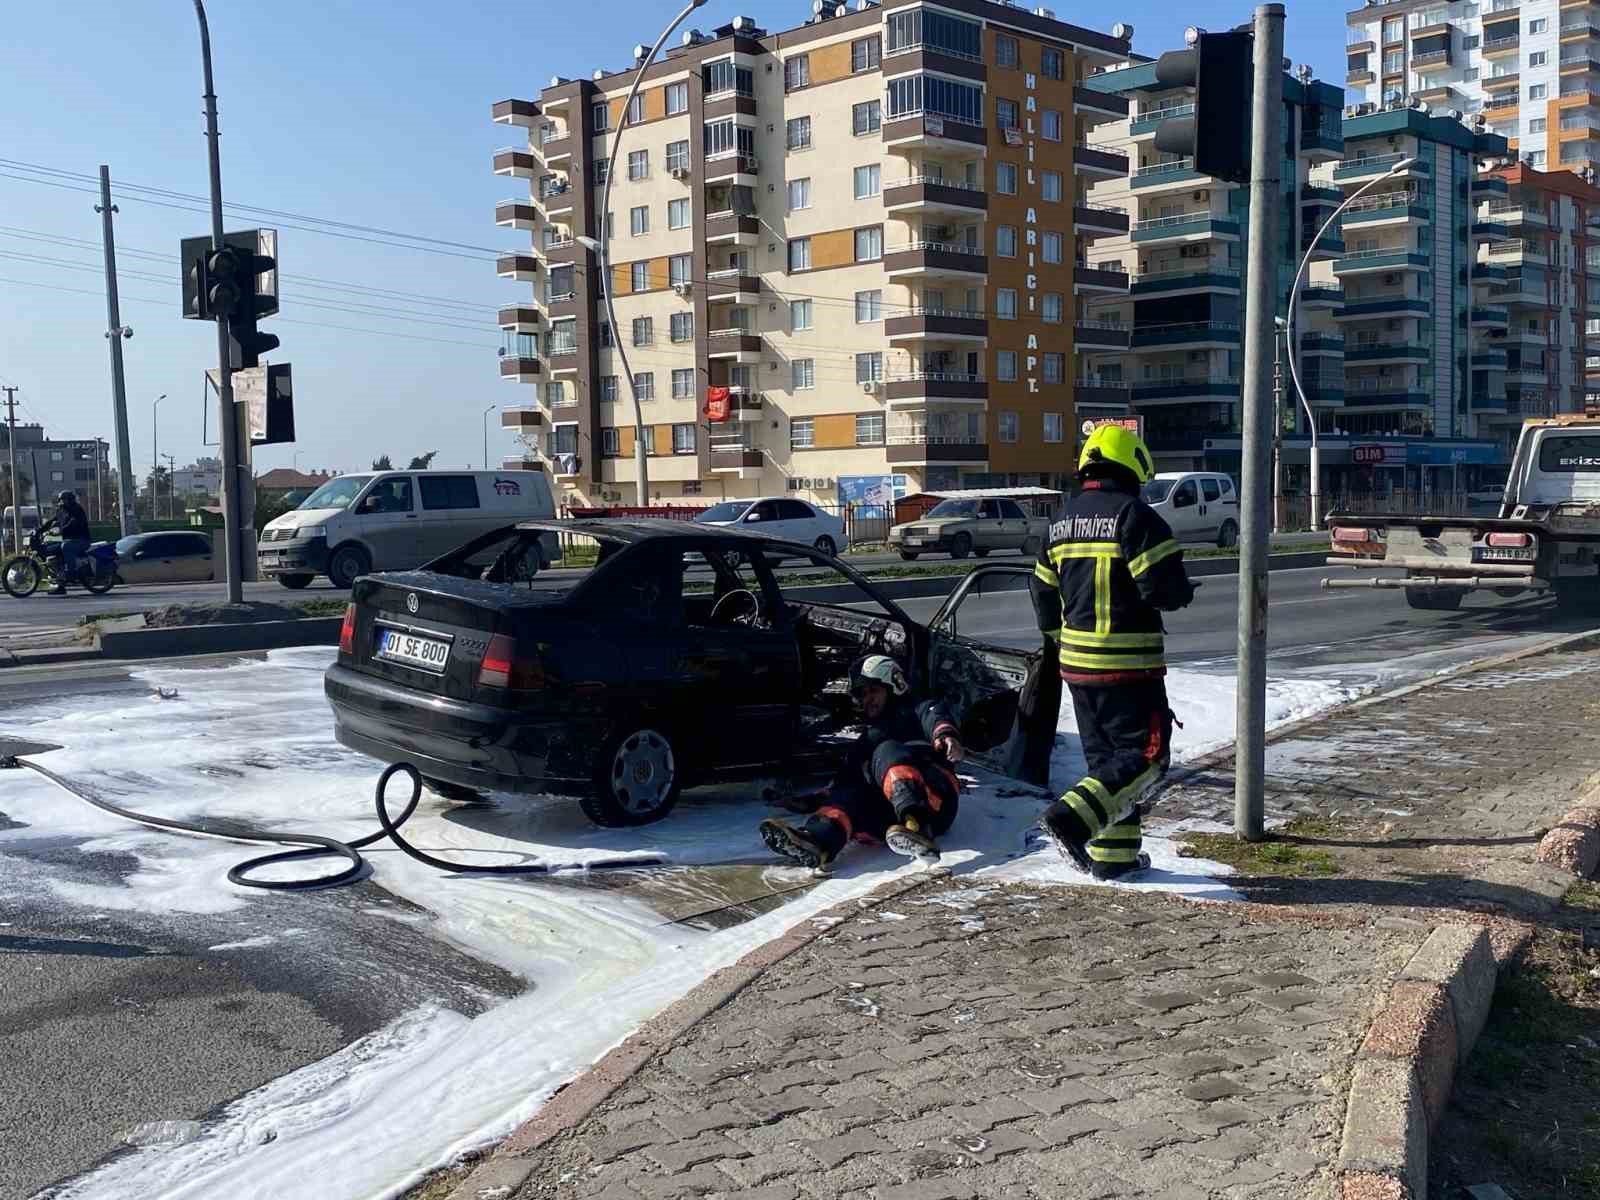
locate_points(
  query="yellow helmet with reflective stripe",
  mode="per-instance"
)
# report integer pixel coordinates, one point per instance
(1115, 444)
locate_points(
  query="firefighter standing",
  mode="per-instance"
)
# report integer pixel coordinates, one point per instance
(895, 786)
(1109, 569)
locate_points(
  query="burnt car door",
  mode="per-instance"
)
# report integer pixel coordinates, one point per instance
(983, 642)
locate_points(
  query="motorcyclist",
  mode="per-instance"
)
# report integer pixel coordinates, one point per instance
(896, 784)
(72, 523)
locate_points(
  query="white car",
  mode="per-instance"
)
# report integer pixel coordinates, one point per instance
(1200, 506)
(780, 517)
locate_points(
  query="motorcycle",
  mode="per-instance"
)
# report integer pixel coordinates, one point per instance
(43, 562)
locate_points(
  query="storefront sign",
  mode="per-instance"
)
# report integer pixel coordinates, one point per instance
(1366, 455)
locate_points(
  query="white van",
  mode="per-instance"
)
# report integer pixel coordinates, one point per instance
(1201, 506)
(396, 520)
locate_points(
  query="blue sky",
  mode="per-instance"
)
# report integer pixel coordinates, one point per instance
(347, 110)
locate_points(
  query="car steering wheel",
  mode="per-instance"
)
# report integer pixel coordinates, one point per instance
(750, 616)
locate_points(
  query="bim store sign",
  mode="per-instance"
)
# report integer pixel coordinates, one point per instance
(1424, 454)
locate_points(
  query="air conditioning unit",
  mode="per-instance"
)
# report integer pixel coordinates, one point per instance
(1202, 194)
(679, 172)
(683, 289)
(818, 485)
(1198, 355)
(870, 386)
(753, 166)
(794, 483)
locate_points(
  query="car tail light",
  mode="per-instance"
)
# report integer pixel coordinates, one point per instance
(1346, 533)
(503, 667)
(347, 631)
(1509, 539)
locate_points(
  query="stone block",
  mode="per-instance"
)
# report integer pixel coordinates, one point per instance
(1460, 959)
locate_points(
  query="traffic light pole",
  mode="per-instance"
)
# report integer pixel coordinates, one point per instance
(227, 420)
(128, 517)
(1261, 283)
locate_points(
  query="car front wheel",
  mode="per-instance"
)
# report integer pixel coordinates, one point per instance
(294, 582)
(637, 779)
(827, 545)
(346, 563)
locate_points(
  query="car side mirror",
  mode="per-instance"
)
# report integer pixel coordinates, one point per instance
(370, 504)
(753, 517)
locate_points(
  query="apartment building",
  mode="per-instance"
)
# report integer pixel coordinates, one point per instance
(1172, 348)
(869, 228)
(48, 466)
(1532, 69)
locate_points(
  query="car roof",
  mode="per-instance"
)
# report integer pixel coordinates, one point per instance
(630, 530)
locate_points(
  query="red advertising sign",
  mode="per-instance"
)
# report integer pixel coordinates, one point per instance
(719, 404)
(1366, 455)
(1135, 423)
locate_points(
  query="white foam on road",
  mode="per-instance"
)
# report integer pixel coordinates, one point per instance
(254, 742)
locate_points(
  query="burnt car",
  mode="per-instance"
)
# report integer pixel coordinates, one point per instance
(680, 659)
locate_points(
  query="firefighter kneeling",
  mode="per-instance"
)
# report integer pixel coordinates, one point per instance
(1109, 569)
(896, 785)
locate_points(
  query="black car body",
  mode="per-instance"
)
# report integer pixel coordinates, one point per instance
(679, 659)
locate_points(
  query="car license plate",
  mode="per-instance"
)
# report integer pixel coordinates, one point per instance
(268, 560)
(915, 541)
(426, 654)
(1505, 553)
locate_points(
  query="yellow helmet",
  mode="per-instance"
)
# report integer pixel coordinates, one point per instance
(1115, 444)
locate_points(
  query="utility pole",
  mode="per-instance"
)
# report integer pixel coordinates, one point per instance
(1266, 153)
(16, 483)
(172, 487)
(1278, 339)
(99, 485)
(155, 451)
(115, 332)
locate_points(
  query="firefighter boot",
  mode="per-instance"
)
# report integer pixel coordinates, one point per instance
(909, 835)
(814, 844)
(1064, 829)
(910, 838)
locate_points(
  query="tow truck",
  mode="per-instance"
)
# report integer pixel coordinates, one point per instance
(1545, 539)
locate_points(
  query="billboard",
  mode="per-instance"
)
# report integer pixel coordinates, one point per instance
(877, 491)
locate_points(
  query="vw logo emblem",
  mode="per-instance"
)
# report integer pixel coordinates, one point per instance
(411, 602)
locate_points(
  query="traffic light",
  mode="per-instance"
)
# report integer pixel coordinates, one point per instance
(1218, 67)
(256, 275)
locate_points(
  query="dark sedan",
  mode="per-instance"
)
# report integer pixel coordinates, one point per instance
(680, 659)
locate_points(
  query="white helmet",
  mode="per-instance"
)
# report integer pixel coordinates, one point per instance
(879, 668)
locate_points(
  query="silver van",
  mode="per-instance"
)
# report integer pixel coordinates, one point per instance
(396, 520)
(1201, 506)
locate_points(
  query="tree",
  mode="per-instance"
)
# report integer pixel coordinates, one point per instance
(382, 463)
(25, 483)
(422, 462)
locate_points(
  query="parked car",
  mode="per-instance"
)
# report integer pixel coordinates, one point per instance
(177, 557)
(969, 526)
(780, 517)
(1201, 506)
(396, 520)
(678, 660)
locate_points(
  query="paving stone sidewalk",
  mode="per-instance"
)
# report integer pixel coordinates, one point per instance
(975, 1040)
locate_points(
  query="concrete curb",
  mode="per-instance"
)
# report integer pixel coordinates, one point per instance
(1574, 844)
(511, 1164)
(220, 639)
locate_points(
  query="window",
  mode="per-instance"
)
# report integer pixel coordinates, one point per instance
(722, 76)
(1537, 125)
(1050, 186)
(796, 72)
(1471, 41)
(606, 340)
(1538, 58)
(1005, 178)
(1393, 30)
(678, 156)
(869, 367)
(683, 327)
(644, 385)
(869, 181)
(639, 273)
(1006, 53)
(802, 433)
(1005, 241)
(678, 214)
(869, 429)
(799, 316)
(937, 31)
(677, 98)
(636, 109)
(555, 394)
(692, 487)
(610, 442)
(1050, 125)
(1006, 114)
(1050, 308)
(602, 167)
(638, 165)
(600, 115)
(1210, 490)
(1050, 248)
(725, 139)
(869, 244)
(1005, 366)
(644, 331)
(1054, 367)
(937, 97)
(1008, 426)
(1005, 303)
(1053, 427)
(869, 307)
(799, 133)
(865, 54)
(680, 269)
(683, 439)
(1052, 64)
(866, 118)
(1536, 158)
(608, 387)
(1538, 91)
(799, 254)
(799, 194)
(639, 220)
(803, 374)
(1538, 25)
(448, 491)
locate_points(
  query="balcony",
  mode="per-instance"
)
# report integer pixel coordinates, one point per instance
(1511, 212)
(924, 193)
(516, 214)
(560, 251)
(1103, 393)
(521, 418)
(911, 448)
(1527, 374)
(935, 385)
(1321, 344)
(1588, 60)
(1502, 82)
(563, 357)
(557, 151)
(1514, 250)
(934, 258)
(1316, 195)
(1488, 185)
(1360, 77)
(557, 201)
(1187, 335)
(1384, 306)
(1098, 107)
(1379, 211)
(920, 57)
(1173, 283)
(744, 404)
(1188, 227)
(732, 287)
(1320, 143)
(1490, 273)
(1431, 60)
(1324, 249)
(1365, 399)
(1100, 335)
(521, 462)
(1162, 175)
(517, 266)
(1489, 360)
(731, 228)
(738, 344)
(1148, 119)
(1321, 297)
(519, 368)
(733, 452)
(1098, 279)
(920, 131)
(520, 318)
(732, 167)
(516, 112)
(1490, 316)
(1377, 351)
(1099, 222)
(1496, 47)
(518, 161)
(1363, 262)
(1102, 164)
(1361, 169)
(1493, 401)
(921, 324)
(1524, 288)
(1187, 389)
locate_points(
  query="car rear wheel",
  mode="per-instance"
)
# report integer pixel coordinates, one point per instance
(453, 791)
(961, 545)
(1228, 535)
(827, 545)
(981, 551)
(346, 563)
(295, 582)
(909, 555)
(636, 779)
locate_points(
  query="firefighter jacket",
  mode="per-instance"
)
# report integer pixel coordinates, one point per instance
(1108, 569)
(914, 725)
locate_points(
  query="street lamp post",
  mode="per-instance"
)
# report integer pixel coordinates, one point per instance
(599, 247)
(155, 454)
(486, 413)
(1294, 294)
